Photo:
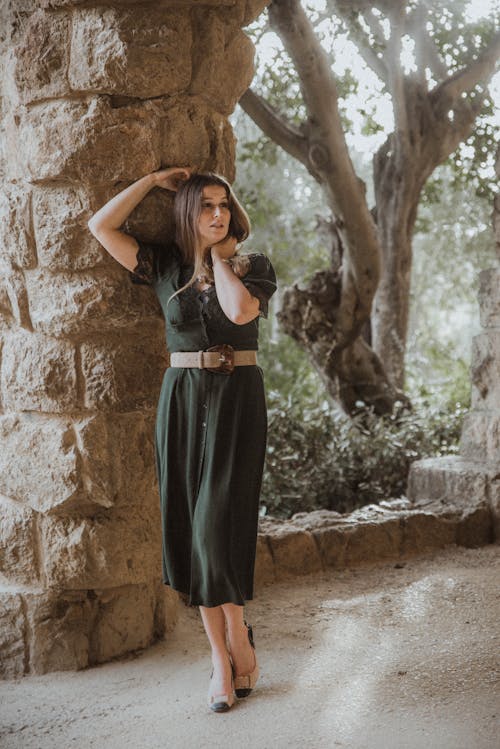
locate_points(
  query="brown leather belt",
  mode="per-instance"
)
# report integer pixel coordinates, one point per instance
(222, 359)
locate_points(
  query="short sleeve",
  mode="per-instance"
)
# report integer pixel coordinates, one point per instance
(260, 280)
(147, 257)
(154, 261)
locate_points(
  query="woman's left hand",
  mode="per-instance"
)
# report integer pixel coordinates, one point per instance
(223, 249)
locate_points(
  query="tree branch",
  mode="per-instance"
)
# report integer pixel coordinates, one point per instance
(328, 154)
(480, 70)
(375, 27)
(396, 77)
(365, 49)
(275, 127)
(426, 50)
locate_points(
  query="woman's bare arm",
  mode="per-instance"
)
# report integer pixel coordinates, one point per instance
(234, 298)
(105, 224)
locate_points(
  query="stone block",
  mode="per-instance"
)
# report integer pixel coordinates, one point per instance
(485, 370)
(152, 220)
(54, 465)
(123, 371)
(12, 636)
(91, 141)
(59, 624)
(237, 53)
(489, 298)
(125, 621)
(294, 552)
(38, 460)
(131, 439)
(101, 551)
(332, 543)
(38, 373)
(14, 296)
(264, 564)
(369, 542)
(16, 231)
(480, 439)
(18, 544)
(108, 140)
(63, 240)
(475, 528)
(192, 127)
(450, 481)
(130, 52)
(66, 304)
(423, 531)
(97, 467)
(38, 65)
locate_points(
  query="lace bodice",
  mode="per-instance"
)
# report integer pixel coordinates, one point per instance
(195, 318)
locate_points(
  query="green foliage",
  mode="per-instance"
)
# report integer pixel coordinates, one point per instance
(362, 97)
(317, 458)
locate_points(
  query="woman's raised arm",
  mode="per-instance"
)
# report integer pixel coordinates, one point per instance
(105, 223)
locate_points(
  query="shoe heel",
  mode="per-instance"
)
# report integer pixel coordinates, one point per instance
(243, 685)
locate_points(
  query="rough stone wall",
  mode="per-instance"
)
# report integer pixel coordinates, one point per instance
(472, 479)
(94, 96)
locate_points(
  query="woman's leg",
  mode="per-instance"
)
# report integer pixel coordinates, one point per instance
(215, 627)
(242, 653)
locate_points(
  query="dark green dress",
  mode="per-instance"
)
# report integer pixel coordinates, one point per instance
(210, 438)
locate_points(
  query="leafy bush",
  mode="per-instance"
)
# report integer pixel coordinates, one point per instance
(319, 458)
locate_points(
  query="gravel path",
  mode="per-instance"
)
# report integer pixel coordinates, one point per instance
(385, 657)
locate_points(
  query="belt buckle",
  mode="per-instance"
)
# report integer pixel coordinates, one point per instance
(226, 359)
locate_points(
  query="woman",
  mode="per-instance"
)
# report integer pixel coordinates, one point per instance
(211, 424)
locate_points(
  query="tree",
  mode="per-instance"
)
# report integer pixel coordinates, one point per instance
(352, 318)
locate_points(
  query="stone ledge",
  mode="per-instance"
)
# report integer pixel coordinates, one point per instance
(395, 529)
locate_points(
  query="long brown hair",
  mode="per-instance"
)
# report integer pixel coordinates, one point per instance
(187, 210)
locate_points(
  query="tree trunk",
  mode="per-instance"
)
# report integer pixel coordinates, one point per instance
(352, 374)
(397, 196)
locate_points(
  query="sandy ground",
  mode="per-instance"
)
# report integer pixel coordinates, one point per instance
(373, 658)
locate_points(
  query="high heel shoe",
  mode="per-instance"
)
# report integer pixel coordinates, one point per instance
(243, 685)
(221, 703)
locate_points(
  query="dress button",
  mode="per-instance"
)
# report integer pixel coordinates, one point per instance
(204, 423)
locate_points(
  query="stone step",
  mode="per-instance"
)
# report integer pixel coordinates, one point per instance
(393, 530)
(450, 481)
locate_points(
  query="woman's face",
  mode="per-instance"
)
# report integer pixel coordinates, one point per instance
(213, 222)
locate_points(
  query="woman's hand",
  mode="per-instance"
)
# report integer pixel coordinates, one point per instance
(224, 249)
(172, 178)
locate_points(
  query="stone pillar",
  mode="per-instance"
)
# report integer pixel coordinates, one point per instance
(94, 96)
(471, 480)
